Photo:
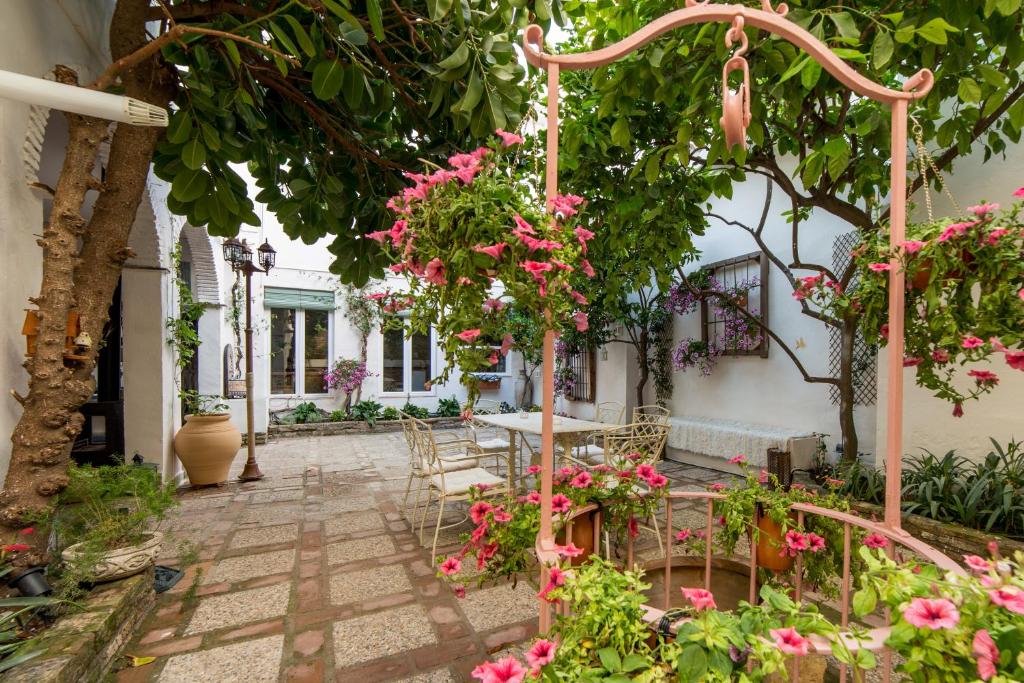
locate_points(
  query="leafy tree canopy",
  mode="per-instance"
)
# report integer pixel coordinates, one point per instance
(325, 101)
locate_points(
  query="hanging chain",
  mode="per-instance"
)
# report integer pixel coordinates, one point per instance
(924, 162)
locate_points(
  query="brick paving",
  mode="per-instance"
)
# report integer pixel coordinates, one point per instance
(315, 574)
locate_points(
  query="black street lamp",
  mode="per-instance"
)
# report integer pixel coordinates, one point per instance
(239, 255)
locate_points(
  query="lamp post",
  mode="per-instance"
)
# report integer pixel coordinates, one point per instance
(239, 255)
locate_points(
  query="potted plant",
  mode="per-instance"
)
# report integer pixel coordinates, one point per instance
(106, 512)
(208, 442)
(487, 381)
(969, 627)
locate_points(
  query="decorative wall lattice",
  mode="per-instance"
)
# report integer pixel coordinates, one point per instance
(865, 356)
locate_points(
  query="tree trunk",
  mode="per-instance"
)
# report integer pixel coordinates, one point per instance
(848, 333)
(645, 370)
(82, 264)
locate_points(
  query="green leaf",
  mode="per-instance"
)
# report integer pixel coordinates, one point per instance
(935, 31)
(652, 168)
(179, 128)
(497, 110)
(193, 154)
(301, 36)
(881, 50)
(232, 49)
(211, 136)
(282, 36)
(189, 185)
(474, 91)
(692, 664)
(327, 79)
(796, 68)
(620, 133)
(1007, 7)
(441, 9)
(992, 75)
(634, 662)
(846, 25)
(813, 166)
(810, 75)
(609, 659)
(455, 59)
(864, 601)
(969, 90)
(373, 11)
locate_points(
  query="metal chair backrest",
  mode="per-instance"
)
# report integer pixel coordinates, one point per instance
(610, 412)
(647, 438)
(651, 413)
(486, 406)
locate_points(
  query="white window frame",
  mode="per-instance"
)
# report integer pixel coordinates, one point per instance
(300, 351)
(407, 367)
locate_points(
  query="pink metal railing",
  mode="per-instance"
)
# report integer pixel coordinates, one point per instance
(873, 639)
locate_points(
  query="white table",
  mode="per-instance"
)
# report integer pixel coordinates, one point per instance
(567, 430)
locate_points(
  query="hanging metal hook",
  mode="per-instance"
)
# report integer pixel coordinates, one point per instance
(736, 104)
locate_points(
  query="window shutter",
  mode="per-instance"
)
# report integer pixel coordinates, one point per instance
(284, 297)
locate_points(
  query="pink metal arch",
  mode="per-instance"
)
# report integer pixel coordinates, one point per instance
(773, 21)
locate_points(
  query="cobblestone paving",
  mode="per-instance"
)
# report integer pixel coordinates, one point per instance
(315, 574)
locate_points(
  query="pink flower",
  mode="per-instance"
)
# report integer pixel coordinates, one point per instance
(478, 533)
(979, 565)
(790, 642)
(911, 361)
(737, 459)
(982, 210)
(987, 653)
(508, 139)
(700, 599)
(579, 298)
(523, 225)
(506, 344)
(884, 331)
(560, 503)
(931, 613)
(568, 550)
(494, 251)
(958, 409)
(1015, 359)
(468, 335)
(451, 566)
(657, 481)
(876, 541)
(15, 547)
(493, 305)
(683, 535)
(533, 244)
(459, 590)
(583, 235)
(994, 235)
(984, 378)
(1008, 597)
(581, 480)
(717, 486)
(587, 268)
(556, 579)
(380, 235)
(533, 469)
(762, 477)
(912, 246)
(533, 498)
(645, 471)
(463, 280)
(796, 542)
(507, 670)
(940, 356)
(26, 531)
(478, 511)
(880, 267)
(541, 654)
(816, 542)
(970, 342)
(582, 323)
(834, 483)
(565, 205)
(1019, 192)
(434, 272)
(633, 527)
(535, 268)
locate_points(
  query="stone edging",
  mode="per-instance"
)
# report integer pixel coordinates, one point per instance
(952, 539)
(351, 427)
(81, 647)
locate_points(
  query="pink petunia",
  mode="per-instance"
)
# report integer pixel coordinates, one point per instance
(762, 477)
(737, 459)
(451, 566)
(583, 235)
(717, 486)
(535, 267)
(790, 642)
(581, 321)
(541, 654)
(493, 305)
(581, 480)
(1015, 359)
(478, 511)
(880, 267)
(1008, 597)
(507, 670)
(683, 535)
(508, 139)
(982, 210)
(970, 342)
(657, 481)
(568, 550)
(700, 599)
(468, 335)
(912, 246)
(815, 542)
(984, 378)
(876, 541)
(459, 590)
(560, 503)
(565, 205)
(940, 356)
(979, 565)
(494, 250)
(912, 361)
(932, 613)
(507, 342)
(796, 542)
(958, 409)
(534, 469)
(578, 298)
(1019, 192)
(434, 272)
(645, 470)
(523, 225)
(984, 648)
(556, 579)
(533, 498)
(379, 235)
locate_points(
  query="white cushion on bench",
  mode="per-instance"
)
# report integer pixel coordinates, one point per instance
(718, 438)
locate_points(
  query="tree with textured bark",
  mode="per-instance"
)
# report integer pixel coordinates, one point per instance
(836, 145)
(325, 100)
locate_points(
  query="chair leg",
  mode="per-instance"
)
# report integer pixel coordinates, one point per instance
(426, 506)
(437, 531)
(657, 532)
(416, 505)
(408, 488)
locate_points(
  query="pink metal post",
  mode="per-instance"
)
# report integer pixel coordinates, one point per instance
(735, 120)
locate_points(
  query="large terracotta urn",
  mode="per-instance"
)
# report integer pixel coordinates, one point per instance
(206, 446)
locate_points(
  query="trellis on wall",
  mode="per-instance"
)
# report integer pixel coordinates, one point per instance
(865, 356)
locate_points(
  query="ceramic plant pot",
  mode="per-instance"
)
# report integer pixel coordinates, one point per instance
(770, 545)
(206, 446)
(582, 536)
(121, 562)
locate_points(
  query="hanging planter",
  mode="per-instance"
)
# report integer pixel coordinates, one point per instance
(488, 382)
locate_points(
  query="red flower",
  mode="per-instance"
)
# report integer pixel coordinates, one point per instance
(876, 541)
(700, 599)
(15, 547)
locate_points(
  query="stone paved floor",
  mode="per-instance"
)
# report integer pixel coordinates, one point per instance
(314, 574)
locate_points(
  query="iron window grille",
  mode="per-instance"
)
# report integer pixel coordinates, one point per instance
(725, 329)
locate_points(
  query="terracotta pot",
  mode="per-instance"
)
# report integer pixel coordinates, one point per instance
(489, 386)
(206, 446)
(582, 536)
(769, 546)
(122, 562)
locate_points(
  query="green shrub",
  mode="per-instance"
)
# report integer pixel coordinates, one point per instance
(390, 413)
(337, 416)
(368, 411)
(449, 407)
(419, 412)
(305, 413)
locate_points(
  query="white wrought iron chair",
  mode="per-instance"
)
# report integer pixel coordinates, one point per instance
(417, 469)
(447, 480)
(591, 449)
(486, 406)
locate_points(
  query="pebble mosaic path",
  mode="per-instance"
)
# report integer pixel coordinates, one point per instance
(314, 574)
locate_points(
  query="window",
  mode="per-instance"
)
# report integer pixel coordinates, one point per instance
(576, 375)
(745, 280)
(501, 367)
(299, 350)
(407, 364)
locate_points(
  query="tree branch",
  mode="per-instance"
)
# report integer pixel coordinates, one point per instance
(204, 10)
